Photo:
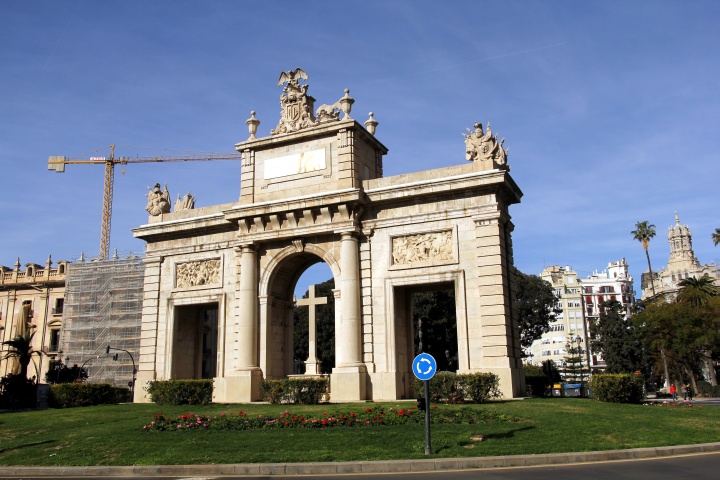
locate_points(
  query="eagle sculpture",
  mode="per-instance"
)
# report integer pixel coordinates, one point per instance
(292, 76)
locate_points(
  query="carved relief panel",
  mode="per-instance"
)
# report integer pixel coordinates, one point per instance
(430, 247)
(198, 273)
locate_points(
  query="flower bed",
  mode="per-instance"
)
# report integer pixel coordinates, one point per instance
(375, 416)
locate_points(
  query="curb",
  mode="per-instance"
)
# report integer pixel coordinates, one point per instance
(394, 466)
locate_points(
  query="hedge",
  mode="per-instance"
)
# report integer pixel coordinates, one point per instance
(618, 388)
(456, 388)
(707, 390)
(66, 395)
(181, 392)
(305, 391)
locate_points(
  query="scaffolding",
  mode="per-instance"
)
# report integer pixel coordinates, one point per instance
(103, 306)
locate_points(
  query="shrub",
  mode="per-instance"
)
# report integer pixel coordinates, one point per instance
(618, 388)
(305, 391)
(66, 395)
(707, 390)
(17, 391)
(456, 388)
(536, 385)
(480, 387)
(181, 392)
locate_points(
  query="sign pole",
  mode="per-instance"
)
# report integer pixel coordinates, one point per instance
(424, 367)
(428, 450)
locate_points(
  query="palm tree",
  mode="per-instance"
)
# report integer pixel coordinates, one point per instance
(21, 350)
(645, 231)
(697, 291)
(716, 236)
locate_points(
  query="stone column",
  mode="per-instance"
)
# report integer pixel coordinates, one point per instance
(243, 384)
(247, 315)
(349, 376)
(350, 318)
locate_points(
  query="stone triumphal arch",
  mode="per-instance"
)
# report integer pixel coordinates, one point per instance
(219, 280)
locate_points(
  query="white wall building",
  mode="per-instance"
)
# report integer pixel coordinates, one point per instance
(612, 284)
(579, 301)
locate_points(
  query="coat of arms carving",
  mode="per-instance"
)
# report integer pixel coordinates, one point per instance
(296, 106)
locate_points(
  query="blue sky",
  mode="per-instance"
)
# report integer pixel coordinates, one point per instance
(611, 109)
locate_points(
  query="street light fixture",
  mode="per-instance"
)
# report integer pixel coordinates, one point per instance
(134, 370)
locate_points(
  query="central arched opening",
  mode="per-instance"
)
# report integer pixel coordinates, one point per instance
(314, 312)
(299, 317)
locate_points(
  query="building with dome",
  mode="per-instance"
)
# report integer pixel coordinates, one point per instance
(682, 264)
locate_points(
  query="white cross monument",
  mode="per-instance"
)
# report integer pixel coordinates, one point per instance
(312, 364)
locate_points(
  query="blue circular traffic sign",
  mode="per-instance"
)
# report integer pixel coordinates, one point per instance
(424, 366)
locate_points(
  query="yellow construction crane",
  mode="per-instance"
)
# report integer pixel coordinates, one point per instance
(58, 163)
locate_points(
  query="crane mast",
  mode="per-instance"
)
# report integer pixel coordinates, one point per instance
(57, 163)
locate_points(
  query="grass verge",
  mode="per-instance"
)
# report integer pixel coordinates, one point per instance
(112, 435)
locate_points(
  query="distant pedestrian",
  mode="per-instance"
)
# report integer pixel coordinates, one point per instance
(684, 391)
(689, 392)
(673, 392)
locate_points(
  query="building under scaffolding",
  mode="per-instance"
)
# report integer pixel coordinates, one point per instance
(103, 306)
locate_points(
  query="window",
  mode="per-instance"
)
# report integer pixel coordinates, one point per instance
(59, 304)
(54, 340)
(546, 353)
(545, 341)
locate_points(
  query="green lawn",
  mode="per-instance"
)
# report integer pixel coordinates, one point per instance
(112, 435)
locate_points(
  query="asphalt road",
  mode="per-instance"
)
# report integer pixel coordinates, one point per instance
(704, 466)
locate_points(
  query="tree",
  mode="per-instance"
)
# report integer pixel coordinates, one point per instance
(17, 390)
(697, 292)
(22, 351)
(716, 237)
(573, 367)
(687, 333)
(534, 303)
(643, 232)
(615, 338)
(58, 372)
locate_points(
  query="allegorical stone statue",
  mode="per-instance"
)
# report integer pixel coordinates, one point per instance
(185, 203)
(484, 148)
(158, 201)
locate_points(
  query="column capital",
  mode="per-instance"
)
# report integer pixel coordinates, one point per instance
(245, 247)
(351, 233)
(151, 260)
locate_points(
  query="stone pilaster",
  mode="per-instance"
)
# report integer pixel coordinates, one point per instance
(147, 361)
(492, 343)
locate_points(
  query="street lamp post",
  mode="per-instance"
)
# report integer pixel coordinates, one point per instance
(134, 370)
